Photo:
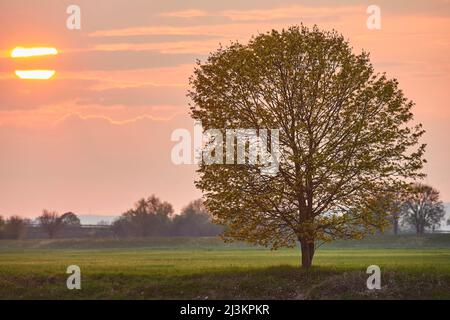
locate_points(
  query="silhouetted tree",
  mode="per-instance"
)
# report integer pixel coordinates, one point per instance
(150, 217)
(345, 137)
(50, 222)
(2, 227)
(422, 208)
(15, 227)
(121, 227)
(70, 219)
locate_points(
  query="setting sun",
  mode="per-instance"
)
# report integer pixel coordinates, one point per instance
(20, 52)
(35, 74)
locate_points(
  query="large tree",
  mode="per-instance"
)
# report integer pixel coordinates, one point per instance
(344, 134)
(423, 209)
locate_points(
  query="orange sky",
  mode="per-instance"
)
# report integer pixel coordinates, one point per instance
(96, 137)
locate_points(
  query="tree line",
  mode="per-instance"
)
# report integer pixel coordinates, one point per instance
(153, 217)
(419, 210)
(150, 217)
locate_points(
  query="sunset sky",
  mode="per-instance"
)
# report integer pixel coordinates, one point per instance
(96, 137)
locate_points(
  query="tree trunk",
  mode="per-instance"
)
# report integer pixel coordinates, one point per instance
(307, 253)
(422, 230)
(395, 226)
(312, 250)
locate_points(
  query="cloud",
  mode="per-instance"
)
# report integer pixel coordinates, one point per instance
(33, 94)
(91, 164)
(136, 96)
(200, 47)
(23, 94)
(292, 12)
(97, 136)
(121, 60)
(191, 13)
(79, 117)
(50, 115)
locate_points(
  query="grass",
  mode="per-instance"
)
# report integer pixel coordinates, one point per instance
(205, 268)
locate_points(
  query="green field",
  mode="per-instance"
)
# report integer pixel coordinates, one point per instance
(205, 268)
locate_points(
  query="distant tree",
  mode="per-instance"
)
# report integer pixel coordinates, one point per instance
(395, 215)
(50, 222)
(121, 227)
(2, 227)
(15, 227)
(422, 208)
(149, 217)
(70, 219)
(195, 221)
(389, 206)
(345, 136)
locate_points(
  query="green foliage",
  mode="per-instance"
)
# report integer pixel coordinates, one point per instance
(345, 138)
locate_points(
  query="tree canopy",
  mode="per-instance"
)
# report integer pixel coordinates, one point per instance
(345, 138)
(149, 217)
(153, 217)
(422, 208)
(51, 222)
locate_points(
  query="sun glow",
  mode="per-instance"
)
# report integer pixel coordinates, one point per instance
(20, 52)
(35, 74)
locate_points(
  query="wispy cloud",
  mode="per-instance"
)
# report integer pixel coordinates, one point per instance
(289, 12)
(192, 13)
